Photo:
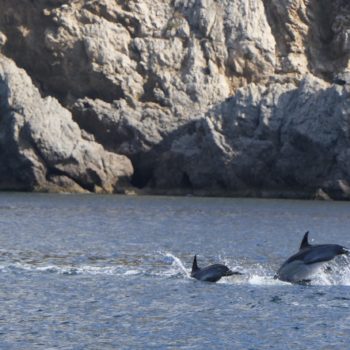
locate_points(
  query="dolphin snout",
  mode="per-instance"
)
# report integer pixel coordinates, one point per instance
(232, 273)
(346, 251)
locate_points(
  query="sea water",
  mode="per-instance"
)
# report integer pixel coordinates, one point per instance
(113, 272)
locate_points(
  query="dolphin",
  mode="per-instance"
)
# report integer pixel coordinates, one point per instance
(210, 273)
(300, 267)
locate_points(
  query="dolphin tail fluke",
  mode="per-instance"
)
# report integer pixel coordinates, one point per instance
(194, 265)
(305, 242)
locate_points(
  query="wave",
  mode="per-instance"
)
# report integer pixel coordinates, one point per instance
(65, 270)
(168, 265)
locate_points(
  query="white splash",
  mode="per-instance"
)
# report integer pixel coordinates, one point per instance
(168, 265)
(336, 272)
(64, 269)
(132, 272)
(265, 281)
(177, 263)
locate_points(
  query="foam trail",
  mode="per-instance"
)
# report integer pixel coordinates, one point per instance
(131, 272)
(166, 264)
(264, 280)
(66, 269)
(178, 262)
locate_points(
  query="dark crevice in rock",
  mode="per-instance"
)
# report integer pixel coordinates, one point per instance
(277, 29)
(125, 4)
(142, 174)
(322, 45)
(150, 95)
(15, 176)
(323, 19)
(100, 87)
(185, 181)
(221, 184)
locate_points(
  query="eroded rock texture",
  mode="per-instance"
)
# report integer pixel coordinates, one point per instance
(42, 148)
(212, 97)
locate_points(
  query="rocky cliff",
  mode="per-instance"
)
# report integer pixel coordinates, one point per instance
(228, 97)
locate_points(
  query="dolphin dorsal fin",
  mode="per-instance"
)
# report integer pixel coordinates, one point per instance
(194, 265)
(305, 242)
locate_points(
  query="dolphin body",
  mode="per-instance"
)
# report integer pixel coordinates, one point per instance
(300, 267)
(210, 273)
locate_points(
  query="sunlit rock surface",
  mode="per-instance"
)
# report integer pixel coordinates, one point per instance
(210, 97)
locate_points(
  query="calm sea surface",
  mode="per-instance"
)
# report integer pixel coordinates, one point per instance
(112, 272)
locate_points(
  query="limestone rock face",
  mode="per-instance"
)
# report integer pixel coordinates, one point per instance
(210, 96)
(42, 147)
(277, 140)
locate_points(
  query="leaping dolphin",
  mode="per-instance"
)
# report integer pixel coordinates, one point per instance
(210, 273)
(300, 267)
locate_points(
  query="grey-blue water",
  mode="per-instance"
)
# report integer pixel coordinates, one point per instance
(111, 272)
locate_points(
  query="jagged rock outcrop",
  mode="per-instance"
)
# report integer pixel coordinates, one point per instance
(42, 148)
(205, 96)
(277, 140)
